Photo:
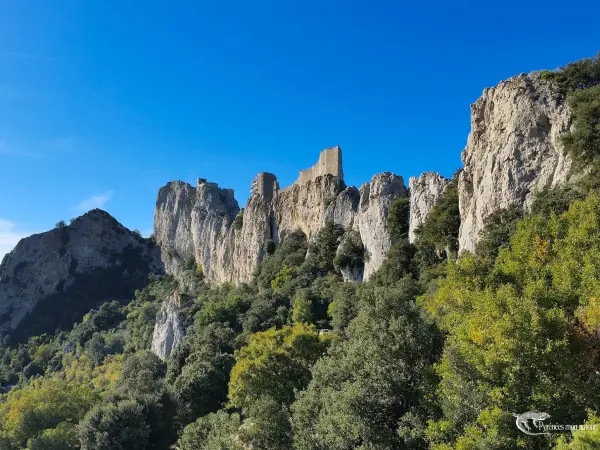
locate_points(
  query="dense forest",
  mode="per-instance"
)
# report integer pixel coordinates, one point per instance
(435, 351)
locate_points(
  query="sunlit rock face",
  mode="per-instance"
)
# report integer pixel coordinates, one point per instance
(513, 150)
(168, 330)
(204, 226)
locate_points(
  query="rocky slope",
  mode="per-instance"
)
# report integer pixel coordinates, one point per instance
(512, 151)
(51, 279)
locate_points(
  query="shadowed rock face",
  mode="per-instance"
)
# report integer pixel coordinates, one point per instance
(513, 150)
(52, 279)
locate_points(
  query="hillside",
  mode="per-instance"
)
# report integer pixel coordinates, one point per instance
(325, 316)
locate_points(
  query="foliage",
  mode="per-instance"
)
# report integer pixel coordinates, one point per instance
(581, 74)
(398, 219)
(214, 431)
(275, 363)
(441, 226)
(555, 199)
(580, 83)
(238, 222)
(363, 390)
(585, 439)
(517, 336)
(266, 425)
(351, 252)
(120, 426)
(498, 229)
(43, 410)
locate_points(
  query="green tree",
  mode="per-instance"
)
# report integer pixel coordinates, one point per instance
(497, 231)
(120, 426)
(266, 426)
(541, 289)
(302, 308)
(275, 363)
(440, 228)
(215, 431)
(367, 391)
(398, 219)
(42, 408)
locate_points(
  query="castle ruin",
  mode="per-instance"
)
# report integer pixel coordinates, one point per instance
(265, 184)
(330, 163)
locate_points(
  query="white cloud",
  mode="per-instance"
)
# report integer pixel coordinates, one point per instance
(9, 236)
(95, 201)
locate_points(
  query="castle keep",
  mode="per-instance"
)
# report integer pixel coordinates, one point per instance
(266, 185)
(330, 163)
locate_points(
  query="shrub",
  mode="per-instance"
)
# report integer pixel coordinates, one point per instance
(351, 253)
(554, 199)
(398, 219)
(440, 228)
(497, 230)
(238, 222)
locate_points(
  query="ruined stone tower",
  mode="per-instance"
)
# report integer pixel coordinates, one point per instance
(330, 163)
(265, 184)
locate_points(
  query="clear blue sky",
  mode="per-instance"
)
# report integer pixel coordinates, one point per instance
(103, 102)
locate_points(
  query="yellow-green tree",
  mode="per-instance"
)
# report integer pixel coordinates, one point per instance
(46, 409)
(275, 363)
(522, 335)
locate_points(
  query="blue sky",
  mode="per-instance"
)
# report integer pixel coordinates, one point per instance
(102, 103)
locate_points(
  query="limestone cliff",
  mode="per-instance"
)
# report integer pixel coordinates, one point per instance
(74, 267)
(512, 151)
(205, 226)
(425, 191)
(169, 330)
(195, 228)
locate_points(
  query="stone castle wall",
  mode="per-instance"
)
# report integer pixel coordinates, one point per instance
(330, 163)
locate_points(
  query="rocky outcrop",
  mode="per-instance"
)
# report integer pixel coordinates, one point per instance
(513, 150)
(93, 259)
(168, 330)
(198, 226)
(376, 198)
(195, 227)
(425, 191)
(303, 206)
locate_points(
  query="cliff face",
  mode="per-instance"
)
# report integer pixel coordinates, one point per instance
(512, 151)
(75, 262)
(198, 225)
(195, 228)
(425, 191)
